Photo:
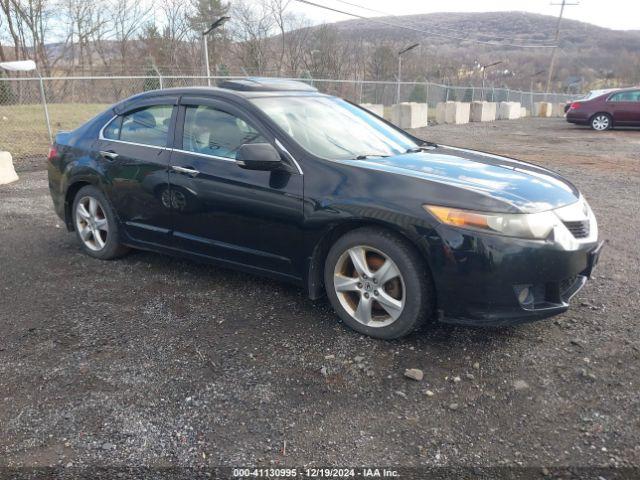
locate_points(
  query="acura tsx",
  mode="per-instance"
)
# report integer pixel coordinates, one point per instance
(272, 177)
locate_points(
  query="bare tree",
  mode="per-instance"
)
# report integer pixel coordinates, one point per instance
(277, 8)
(85, 23)
(175, 30)
(251, 28)
(127, 17)
(298, 44)
(33, 23)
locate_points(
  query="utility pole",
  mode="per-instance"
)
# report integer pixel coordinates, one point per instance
(483, 69)
(404, 50)
(557, 39)
(205, 49)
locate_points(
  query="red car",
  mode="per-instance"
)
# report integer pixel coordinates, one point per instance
(617, 108)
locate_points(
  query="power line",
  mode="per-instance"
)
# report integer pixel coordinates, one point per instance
(555, 49)
(435, 26)
(407, 27)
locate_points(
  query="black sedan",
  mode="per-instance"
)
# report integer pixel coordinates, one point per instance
(273, 178)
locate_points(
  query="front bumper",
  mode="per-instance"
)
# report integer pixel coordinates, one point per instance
(481, 278)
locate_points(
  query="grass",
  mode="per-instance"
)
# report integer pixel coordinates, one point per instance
(23, 130)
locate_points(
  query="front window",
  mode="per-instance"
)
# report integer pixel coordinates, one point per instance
(213, 132)
(332, 128)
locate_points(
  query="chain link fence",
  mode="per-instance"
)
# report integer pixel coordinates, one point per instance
(73, 100)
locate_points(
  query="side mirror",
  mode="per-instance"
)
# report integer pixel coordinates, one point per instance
(258, 156)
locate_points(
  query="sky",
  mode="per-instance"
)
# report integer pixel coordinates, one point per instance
(616, 14)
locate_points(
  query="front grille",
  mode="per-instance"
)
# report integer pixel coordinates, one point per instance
(579, 229)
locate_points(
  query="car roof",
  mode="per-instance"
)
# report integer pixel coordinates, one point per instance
(242, 88)
(264, 84)
(625, 89)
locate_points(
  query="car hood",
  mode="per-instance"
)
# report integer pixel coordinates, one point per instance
(519, 186)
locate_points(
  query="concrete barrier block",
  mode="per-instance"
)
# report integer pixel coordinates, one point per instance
(396, 115)
(387, 113)
(508, 110)
(409, 114)
(557, 110)
(523, 112)
(376, 108)
(413, 114)
(7, 172)
(441, 111)
(542, 109)
(482, 112)
(457, 113)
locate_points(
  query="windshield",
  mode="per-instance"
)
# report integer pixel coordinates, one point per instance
(332, 128)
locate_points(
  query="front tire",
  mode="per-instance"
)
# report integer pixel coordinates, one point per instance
(601, 122)
(378, 283)
(95, 224)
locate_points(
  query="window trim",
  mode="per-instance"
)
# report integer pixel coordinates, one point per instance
(126, 142)
(214, 157)
(102, 137)
(221, 104)
(197, 154)
(610, 99)
(179, 139)
(106, 125)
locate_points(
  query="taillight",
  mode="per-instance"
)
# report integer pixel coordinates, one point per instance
(574, 106)
(53, 153)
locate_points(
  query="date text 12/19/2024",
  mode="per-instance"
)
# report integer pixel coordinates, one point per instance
(314, 473)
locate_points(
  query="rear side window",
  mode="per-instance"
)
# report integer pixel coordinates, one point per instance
(213, 132)
(148, 126)
(112, 131)
(633, 96)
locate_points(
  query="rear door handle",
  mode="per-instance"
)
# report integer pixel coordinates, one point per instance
(111, 156)
(189, 171)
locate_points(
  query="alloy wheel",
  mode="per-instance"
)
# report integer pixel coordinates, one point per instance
(91, 223)
(369, 286)
(600, 122)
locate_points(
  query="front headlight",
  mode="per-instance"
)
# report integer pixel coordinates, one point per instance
(522, 225)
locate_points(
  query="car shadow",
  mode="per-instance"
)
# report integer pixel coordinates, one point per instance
(317, 316)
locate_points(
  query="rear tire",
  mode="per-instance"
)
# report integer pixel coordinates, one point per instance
(378, 283)
(601, 122)
(95, 224)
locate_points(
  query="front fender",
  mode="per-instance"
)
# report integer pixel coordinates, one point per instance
(422, 235)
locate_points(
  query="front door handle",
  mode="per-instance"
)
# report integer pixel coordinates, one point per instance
(111, 156)
(189, 171)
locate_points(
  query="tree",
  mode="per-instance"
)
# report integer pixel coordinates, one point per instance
(252, 26)
(277, 9)
(204, 13)
(127, 18)
(418, 94)
(297, 44)
(31, 18)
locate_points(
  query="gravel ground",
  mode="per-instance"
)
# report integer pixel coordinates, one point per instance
(155, 361)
